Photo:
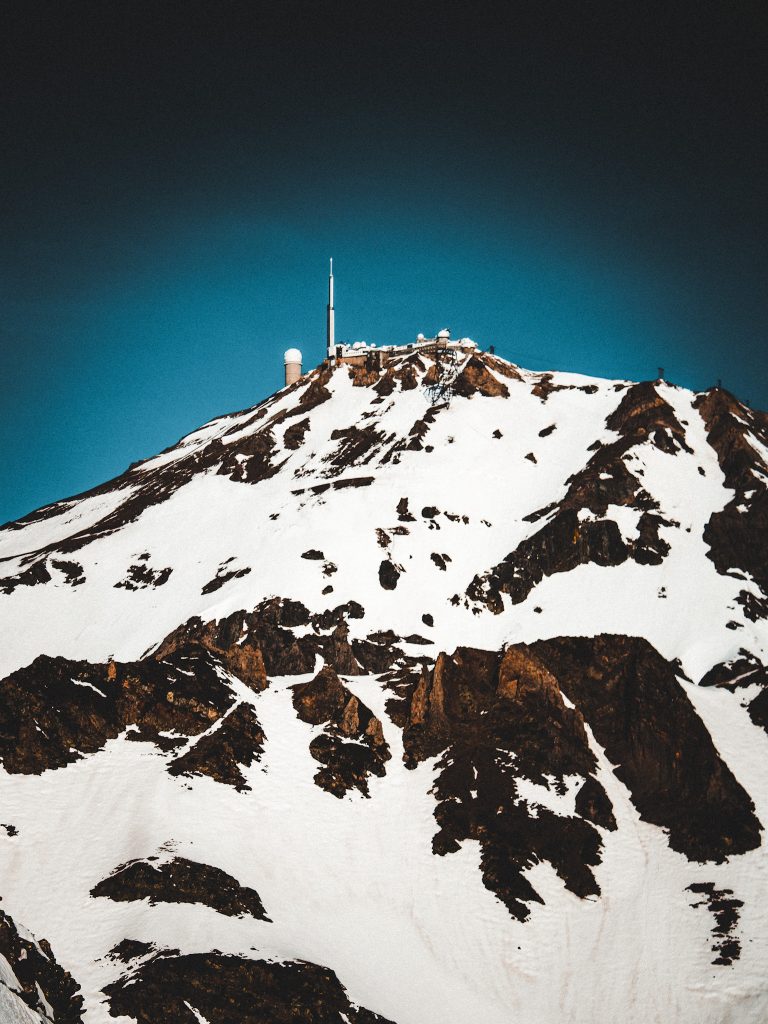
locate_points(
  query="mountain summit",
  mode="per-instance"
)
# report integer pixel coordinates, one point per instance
(399, 702)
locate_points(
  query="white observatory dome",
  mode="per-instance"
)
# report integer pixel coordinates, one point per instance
(292, 356)
(445, 333)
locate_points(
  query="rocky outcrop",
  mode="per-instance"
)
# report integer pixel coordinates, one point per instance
(351, 746)
(476, 378)
(578, 528)
(33, 986)
(494, 719)
(389, 574)
(222, 752)
(630, 697)
(55, 711)
(226, 989)
(32, 576)
(357, 446)
(737, 534)
(725, 910)
(141, 575)
(253, 645)
(181, 881)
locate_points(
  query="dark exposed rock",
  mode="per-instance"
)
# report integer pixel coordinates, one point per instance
(353, 481)
(314, 554)
(378, 651)
(592, 804)
(563, 544)
(56, 710)
(366, 375)
(500, 366)
(494, 719)
(221, 578)
(293, 437)
(572, 534)
(649, 548)
(725, 911)
(758, 709)
(352, 745)
(402, 512)
(220, 753)
(745, 670)
(357, 446)
(548, 430)
(32, 576)
(243, 656)
(476, 378)
(181, 881)
(755, 608)
(255, 644)
(250, 460)
(427, 619)
(639, 713)
(388, 574)
(141, 576)
(738, 534)
(36, 978)
(73, 571)
(130, 949)
(315, 393)
(233, 990)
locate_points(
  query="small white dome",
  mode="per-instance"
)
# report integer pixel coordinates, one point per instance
(292, 356)
(445, 333)
(419, 337)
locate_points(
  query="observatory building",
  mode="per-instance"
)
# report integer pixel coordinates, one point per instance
(361, 353)
(292, 360)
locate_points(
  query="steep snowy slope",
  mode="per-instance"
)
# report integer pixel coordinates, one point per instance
(384, 710)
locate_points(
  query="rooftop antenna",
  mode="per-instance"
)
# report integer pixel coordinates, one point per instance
(330, 325)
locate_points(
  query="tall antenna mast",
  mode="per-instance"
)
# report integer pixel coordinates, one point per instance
(330, 325)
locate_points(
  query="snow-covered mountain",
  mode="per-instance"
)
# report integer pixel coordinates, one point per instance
(351, 707)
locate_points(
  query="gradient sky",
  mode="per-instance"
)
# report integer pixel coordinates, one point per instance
(581, 184)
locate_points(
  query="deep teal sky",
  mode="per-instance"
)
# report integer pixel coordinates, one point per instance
(585, 193)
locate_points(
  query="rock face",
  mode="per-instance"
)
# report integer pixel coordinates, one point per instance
(630, 698)
(352, 707)
(33, 987)
(351, 746)
(220, 989)
(738, 435)
(181, 881)
(578, 529)
(495, 719)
